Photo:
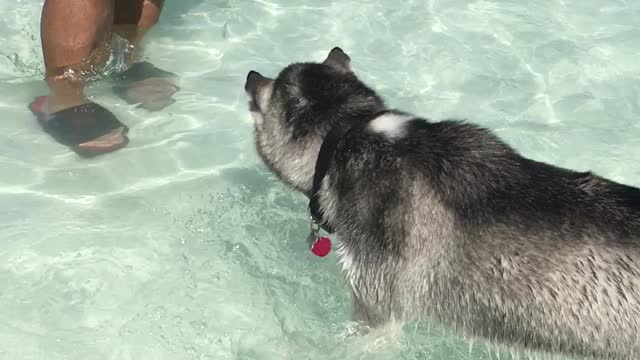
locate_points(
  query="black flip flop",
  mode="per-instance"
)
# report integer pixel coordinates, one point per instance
(79, 124)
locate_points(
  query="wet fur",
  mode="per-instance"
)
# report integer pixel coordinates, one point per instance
(444, 220)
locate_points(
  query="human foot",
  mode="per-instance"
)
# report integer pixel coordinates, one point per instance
(89, 129)
(147, 85)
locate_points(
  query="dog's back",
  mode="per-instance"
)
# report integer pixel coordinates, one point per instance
(445, 219)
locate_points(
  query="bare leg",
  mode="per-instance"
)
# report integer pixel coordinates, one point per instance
(132, 20)
(73, 33)
(75, 36)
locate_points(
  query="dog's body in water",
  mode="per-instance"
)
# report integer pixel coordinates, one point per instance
(444, 220)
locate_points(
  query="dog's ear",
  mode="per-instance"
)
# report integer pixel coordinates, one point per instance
(338, 59)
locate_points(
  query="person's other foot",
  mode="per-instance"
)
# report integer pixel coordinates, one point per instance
(144, 84)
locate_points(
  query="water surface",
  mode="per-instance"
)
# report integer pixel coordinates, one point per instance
(183, 246)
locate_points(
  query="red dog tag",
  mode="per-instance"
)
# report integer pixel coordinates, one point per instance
(321, 246)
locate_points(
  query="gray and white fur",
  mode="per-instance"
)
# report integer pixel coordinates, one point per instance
(444, 220)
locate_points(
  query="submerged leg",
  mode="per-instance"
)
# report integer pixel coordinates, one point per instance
(132, 20)
(364, 315)
(142, 83)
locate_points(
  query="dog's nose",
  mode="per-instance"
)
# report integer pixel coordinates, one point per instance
(253, 80)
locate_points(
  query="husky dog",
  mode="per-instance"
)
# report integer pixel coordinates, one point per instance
(446, 221)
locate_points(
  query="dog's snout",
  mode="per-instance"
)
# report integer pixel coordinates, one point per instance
(253, 81)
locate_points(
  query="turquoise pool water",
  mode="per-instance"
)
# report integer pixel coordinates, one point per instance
(183, 246)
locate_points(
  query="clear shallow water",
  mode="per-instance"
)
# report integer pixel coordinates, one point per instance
(182, 245)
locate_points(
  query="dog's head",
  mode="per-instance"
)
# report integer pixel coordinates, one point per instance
(294, 112)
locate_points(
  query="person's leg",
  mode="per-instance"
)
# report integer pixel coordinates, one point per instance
(75, 36)
(132, 20)
(151, 10)
(152, 88)
(73, 33)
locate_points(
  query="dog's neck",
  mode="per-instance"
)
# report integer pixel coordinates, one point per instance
(326, 154)
(327, 150)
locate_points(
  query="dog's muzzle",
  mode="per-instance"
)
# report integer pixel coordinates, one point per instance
(255, 81)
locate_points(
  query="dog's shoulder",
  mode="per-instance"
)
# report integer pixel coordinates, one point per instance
(458, 156)
(472, 168)
(456, 139)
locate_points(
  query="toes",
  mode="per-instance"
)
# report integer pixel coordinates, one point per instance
(113, 139)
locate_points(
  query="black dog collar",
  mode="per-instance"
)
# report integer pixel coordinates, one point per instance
(327, 150)
(321, 245)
